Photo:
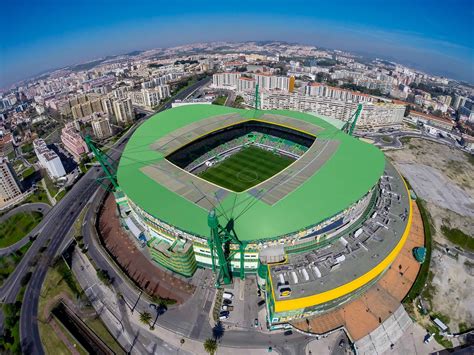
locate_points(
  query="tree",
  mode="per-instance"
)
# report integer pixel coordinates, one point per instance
(218, 331)
(145, 317)
(104, 276)
(210, 345)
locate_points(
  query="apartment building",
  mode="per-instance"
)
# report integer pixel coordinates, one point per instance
(101, 125)
(374, 115)
(321, 90)
(153, 96)
(9, 184)
(48, 159)
(270, 82)
(72, 141)
(245, 84)
(227, 80)
(123, 111)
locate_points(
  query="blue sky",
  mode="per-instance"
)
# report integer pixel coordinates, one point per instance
(436, 36)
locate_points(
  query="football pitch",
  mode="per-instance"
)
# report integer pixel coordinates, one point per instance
(246, 168)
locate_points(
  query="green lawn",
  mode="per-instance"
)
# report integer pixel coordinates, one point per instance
(27, 148)
(38, 196)
(52, 188)
(458, 238)
(220, 100)
(17, 226)
(60, 195)
(28, 172)
(246, 168)
(9, 262)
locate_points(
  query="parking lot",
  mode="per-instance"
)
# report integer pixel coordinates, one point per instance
(244, 303)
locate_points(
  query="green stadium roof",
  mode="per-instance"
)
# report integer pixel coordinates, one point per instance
(344, 178)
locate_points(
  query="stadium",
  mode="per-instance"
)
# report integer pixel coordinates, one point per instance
(317, 215)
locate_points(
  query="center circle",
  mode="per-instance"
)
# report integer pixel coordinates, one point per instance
(247, 176)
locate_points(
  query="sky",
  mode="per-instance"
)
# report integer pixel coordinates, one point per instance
(436, 36)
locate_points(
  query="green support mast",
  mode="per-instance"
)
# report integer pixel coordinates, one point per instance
(106, 162)
(221, 255)
(350, 125)
(257, 98)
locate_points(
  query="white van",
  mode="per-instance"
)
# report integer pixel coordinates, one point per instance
(228, 296)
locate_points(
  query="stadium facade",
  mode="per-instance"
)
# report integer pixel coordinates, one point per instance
(316, 234)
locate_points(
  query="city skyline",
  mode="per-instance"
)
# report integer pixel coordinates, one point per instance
(427, 37)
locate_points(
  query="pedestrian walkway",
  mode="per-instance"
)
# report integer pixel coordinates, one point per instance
(51, 199)
(116, 318)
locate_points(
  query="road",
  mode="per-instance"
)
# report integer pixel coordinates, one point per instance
(395, 136)
(53, 228)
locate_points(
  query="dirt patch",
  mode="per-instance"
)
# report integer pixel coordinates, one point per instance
(452, 162)
(450, 290)
(453, 285)
(134, 263)
(442, 216)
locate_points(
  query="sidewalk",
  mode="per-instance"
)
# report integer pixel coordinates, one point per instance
(51, 199)
(126, 327)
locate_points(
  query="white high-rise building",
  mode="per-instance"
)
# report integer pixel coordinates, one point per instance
(374, 115)
(459, 101)
(48, 159)
(153, 96)
(321, 90)
(270, 82)
(9, 186)
(227, 80)
(245, 84)
(101, 125)
(123, 110)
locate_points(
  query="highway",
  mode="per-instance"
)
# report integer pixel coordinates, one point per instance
(53, 229)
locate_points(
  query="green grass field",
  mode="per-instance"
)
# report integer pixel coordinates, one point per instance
(17, 226)
(246, 168)
(459, 238)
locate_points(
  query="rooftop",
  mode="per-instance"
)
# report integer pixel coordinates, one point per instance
(354, 255)
(345, 175)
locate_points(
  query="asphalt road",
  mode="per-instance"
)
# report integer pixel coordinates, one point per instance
(396, 135)
(54, 227)
(43, 208)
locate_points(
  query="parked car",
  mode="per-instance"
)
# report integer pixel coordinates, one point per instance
(227, 308)
(224, 313)
(228, 296)
(288, 332)
(227, 302)
(255, 322)
(222, 317)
